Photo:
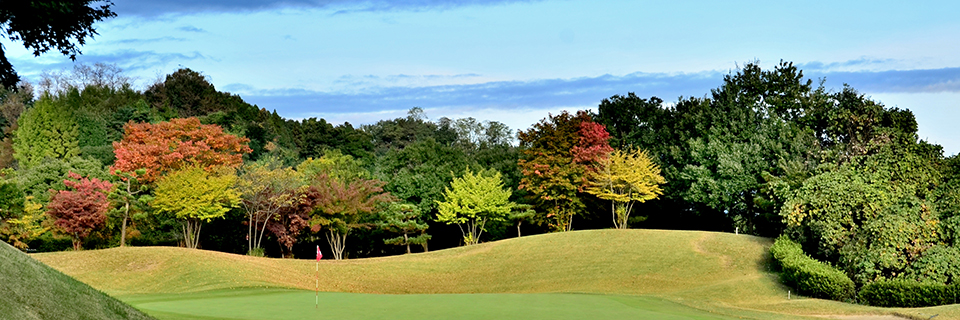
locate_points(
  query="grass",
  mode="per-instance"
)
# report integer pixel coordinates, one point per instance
(718, 273)
(271, 304)
(32, 290)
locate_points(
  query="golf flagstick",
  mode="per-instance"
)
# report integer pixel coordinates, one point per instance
(316, 304)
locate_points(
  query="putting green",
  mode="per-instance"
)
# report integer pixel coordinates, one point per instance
(269, 304)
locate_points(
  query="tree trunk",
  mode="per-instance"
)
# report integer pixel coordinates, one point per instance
(123, 227)
(518, 227)
(337, 243)
(407, 242)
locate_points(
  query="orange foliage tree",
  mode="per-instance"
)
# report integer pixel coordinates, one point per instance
(168, 146)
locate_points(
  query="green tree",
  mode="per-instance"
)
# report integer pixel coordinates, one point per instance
(194, 196)
(341, 206)
(37, 181)
(334, 164)
(49, 24)
(472, 200)
(625, 178)
(404, 219)
(47, 130)
(869, 226)
(267, 189)
(129, 194)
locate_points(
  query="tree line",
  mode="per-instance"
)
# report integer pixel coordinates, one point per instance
(768, 152)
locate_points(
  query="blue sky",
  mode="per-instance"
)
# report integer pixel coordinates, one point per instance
(516, 61)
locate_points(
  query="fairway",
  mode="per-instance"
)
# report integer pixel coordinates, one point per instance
(299, 304)
(608, 274)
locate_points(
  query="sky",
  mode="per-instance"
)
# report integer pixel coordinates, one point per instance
(518, 61)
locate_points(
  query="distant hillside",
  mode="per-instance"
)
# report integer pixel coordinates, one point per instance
(31, 290)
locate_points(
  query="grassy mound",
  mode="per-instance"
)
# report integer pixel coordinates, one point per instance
(32, 290)
(716, 272)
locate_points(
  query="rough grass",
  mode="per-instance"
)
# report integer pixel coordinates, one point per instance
(32, 290)
(720, 273)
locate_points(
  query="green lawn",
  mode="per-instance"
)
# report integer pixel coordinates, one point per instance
(268, 304)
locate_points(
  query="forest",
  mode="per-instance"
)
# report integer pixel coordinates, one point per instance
(90, 162)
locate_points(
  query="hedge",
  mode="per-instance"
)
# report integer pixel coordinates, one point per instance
(908, 293)
(809, 276)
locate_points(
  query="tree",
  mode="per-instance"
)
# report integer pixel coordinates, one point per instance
(129, 194)
(287, 224)
(12, 105)
(48, 24)
(267, 189)
(404, 218)
(11, 197)
(334, 163)
(179, 143)
(472, 200)
(81, 210)
(558, 151)
(48, 130)
(523, 212)
(28, 226)
(37, 181)
(195, 195)
(340, 206)
(625, 178)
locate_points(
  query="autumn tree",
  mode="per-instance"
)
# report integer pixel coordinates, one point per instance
(25, 227)
(472, 200)
(267, 190)
(130, 194)
(179, 143)
(625, 178)
(340, 206)
(558, 152)
(290, 220)
(194, 196)
(404, 219)
(81, 210)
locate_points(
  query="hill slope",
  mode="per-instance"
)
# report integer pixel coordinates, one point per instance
(719, 272)
(32, 290)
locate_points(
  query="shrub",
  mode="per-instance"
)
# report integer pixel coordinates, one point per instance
(940, 264)
(908, 293)
(809, 276)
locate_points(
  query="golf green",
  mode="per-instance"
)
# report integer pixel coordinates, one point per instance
(297, 304)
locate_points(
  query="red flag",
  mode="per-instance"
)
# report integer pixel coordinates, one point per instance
(319, 254)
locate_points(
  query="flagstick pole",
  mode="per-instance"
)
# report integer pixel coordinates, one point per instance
(316, 303)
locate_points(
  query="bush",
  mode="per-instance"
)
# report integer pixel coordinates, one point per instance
(940, 264)
(810, 277)
(908, 293)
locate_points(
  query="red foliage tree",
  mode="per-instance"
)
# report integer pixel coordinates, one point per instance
(593, 144)
(559, 150)
(167, 146)
(80, 211)
(290, 220)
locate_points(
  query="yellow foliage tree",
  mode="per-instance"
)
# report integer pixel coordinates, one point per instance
(194, 195)
(625, 178)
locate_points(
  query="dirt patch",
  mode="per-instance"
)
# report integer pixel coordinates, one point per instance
(865, 317)
(698, 247)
